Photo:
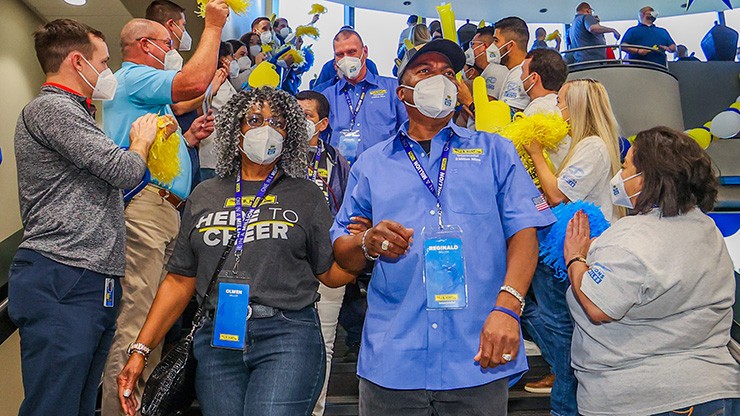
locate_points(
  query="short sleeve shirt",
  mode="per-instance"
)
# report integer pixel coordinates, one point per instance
(669, 285)
(488, 193)
(649, 36)
(587, 174)
(143, 90)
(581, 36)
(512, 92)
(286, 245)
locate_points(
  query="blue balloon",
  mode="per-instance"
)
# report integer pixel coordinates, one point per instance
(624, 146)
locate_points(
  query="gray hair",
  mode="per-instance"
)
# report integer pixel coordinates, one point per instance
(293, 160)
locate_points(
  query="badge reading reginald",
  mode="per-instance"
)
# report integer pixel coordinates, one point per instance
(444, 268)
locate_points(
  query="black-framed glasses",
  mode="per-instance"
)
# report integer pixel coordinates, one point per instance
(169, 42)
(258, 120)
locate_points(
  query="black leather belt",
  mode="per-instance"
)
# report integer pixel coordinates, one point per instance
(254, 311)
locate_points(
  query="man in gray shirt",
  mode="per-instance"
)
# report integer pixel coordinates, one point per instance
(587, 31)
(64, 281)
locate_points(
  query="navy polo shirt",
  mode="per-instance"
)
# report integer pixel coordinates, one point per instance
(648, 36)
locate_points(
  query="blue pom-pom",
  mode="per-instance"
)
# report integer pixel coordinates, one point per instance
(551, 247)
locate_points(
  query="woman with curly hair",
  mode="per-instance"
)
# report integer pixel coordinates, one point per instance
(652, 296)
(261, 140)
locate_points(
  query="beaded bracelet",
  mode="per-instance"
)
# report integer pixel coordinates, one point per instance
(364, 248)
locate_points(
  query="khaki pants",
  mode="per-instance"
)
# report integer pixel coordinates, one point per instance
(329, 306)
(152, 224)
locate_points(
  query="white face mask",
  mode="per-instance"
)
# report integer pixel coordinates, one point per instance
(311, 128)
(255, 50)
(105, 86)
(266, 37)
(244, 63)
(186, 42)
(234, 69)
(262, 145)
(172, 59)
(525, 80)
(619, 194)
(284, 32)
(493, 53)
(470, 56)
(349, 66)
(434, 97)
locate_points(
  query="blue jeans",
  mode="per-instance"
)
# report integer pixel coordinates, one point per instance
(280, 373)
(547, 320)
(65, 331)
(721, 407)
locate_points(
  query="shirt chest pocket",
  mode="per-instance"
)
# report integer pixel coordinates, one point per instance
(469, 188)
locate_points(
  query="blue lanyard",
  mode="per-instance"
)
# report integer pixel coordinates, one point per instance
(423, 174)
(313, 171)
(355, 111)
(242, 220)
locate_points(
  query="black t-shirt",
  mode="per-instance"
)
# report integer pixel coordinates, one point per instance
(286, 244)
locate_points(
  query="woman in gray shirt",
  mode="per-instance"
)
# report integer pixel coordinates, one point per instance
(652, 296)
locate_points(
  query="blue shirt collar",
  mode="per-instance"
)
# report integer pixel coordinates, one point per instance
(456, 131)
(370, 79)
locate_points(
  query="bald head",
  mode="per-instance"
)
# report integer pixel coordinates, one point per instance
(137, 29)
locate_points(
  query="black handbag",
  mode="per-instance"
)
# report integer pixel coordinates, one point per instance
(170, 388)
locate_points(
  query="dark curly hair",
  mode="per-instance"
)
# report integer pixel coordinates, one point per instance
(677, 173)
(293, 160)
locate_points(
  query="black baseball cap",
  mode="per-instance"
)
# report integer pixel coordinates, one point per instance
(446, 47)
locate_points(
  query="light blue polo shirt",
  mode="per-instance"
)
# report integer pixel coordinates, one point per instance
(380, 115)
(141, 90)
(490, 195)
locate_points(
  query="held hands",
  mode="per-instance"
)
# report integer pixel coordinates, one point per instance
(534, 148)
(388, 239)
(127, 381)
(216, 13)
(577, 237)
(499, 339)
(144, 130)
(359, 225)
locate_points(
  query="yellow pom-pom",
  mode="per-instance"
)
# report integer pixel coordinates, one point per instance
(163, 161)
(238, 6)
(548, 129)
(298, 57)
(307, 30)
(316, 8)
(266, 48)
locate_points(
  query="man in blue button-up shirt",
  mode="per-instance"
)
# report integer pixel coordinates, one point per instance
(361, 102)
(414, 359)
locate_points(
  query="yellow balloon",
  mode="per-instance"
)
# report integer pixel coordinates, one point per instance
(489, 115)
(736, 106)
(702, 136)
(264, 74)
(447, 21)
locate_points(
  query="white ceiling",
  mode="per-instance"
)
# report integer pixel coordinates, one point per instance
(558, 11)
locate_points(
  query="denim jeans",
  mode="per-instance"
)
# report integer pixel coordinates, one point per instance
(280, 373)
(547, 320)
(65, 330)
(721, 407)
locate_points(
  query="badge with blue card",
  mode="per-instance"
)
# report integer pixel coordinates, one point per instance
(349, 141)
(444, 268)
(232, 310)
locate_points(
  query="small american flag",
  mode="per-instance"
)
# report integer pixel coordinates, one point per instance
(540, 203)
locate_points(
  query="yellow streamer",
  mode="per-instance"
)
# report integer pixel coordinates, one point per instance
(238, 6)
(316, 8)
(307, 30)
(163, 161)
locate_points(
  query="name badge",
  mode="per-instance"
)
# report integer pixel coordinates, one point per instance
(109, 292)
(444, 268)
(349, 141)
(232, 310)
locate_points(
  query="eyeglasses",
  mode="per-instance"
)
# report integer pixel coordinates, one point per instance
(258, 120)
(168, 42)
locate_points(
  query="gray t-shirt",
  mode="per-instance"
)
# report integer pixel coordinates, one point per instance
(286, 244)
(580, 36)
(669, 285)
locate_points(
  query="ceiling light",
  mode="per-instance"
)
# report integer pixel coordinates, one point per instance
(76, 2)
